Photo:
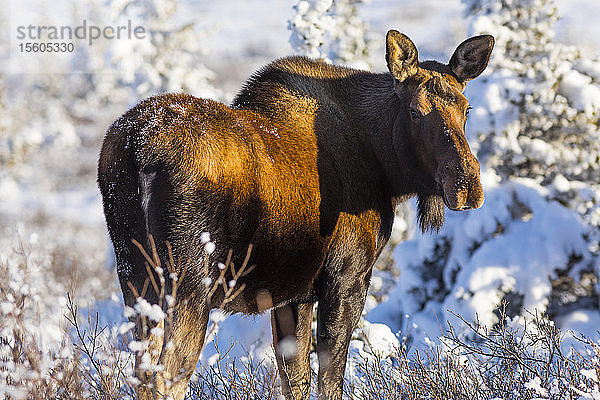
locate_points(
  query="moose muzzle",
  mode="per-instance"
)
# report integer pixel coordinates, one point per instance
(460, 183)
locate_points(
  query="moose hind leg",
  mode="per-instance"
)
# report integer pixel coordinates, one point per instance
(292, 342)
(183, 342)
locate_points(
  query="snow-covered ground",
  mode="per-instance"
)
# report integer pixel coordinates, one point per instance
(48, 195)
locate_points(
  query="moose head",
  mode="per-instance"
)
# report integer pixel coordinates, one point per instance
(433, 125)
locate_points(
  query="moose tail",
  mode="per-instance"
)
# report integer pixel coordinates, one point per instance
(131, 199)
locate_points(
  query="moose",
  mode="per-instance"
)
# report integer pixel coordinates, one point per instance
(307, 166)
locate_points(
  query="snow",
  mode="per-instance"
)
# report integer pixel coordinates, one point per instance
(210, 247)
(535, 385)
(579, 88)
(590, 374)
(205, 237)
(380, 339)
(151, 311)
(311, 18)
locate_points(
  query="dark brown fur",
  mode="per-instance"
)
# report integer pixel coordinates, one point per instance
(307, 165)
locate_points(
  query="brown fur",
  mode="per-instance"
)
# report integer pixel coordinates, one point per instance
(307, 165)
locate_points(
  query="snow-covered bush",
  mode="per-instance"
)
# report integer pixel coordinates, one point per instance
(333, 31)
(34, 348)
(168, 59)
(46, 123)
(514, 360)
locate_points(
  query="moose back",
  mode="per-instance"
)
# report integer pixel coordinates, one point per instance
(307, 166)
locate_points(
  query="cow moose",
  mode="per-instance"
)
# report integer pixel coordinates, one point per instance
(307, 166)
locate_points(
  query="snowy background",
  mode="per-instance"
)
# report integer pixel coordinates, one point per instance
(534, 125)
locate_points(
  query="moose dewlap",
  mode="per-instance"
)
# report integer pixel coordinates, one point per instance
(307, 166)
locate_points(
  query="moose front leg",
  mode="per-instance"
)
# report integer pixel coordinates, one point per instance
(292, 342)
(338, 314)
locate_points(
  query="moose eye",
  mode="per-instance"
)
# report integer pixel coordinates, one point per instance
(413, 113)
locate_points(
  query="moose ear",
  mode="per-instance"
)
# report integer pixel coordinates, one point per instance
(401, 55)
(471, 57)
